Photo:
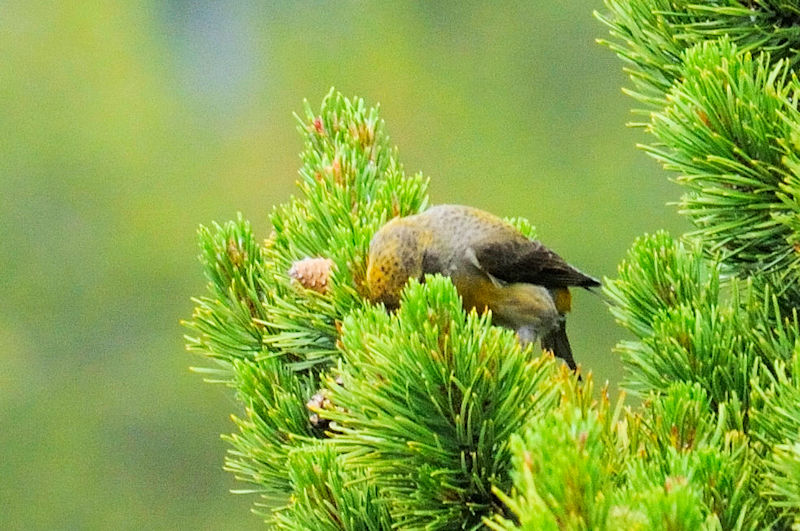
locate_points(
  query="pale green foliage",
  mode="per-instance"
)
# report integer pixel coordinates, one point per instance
(269, 336)
(782, 479)
(327, 496)
(777, 402)
(224, 320)
(565, 464)
(672, 465)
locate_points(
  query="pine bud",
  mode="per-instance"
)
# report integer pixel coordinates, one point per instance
(320, 402)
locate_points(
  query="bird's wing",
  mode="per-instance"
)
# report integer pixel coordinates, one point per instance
(473, 259)
(523, 260)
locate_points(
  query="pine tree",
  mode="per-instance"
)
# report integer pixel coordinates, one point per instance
(432, 418)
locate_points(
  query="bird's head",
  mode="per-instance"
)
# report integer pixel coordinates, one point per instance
(395, 255)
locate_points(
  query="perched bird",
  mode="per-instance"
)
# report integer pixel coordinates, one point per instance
(492, 265)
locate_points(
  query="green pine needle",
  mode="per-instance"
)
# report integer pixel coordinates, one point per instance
(428, 401)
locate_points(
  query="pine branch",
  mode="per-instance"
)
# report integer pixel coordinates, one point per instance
(225, 321)
(719, 79)
(776, 418)
(650, 36)
(564, 464)
(776, 423)
(782, 480)
(725, 130)
(671, 466)
(328, 497)
(433, 418)
(275, 423)
(427, 402)
(271, 335)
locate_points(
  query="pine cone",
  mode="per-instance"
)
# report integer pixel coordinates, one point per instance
(312, 273)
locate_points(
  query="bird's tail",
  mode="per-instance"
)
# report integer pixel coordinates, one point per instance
(557, 343)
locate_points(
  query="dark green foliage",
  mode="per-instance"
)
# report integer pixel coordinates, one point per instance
(724, 130)
(719, 76)
(651, 35)
(717, 314)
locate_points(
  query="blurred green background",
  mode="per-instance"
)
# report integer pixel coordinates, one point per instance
(126, 125)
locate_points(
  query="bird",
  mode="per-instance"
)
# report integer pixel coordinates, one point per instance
(492, 265)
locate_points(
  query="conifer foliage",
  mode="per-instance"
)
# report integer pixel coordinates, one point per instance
(429, 417)
(714, 313)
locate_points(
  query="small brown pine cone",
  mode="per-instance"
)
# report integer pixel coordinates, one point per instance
(312, 273)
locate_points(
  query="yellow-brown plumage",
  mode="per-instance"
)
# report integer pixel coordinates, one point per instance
(492, 265)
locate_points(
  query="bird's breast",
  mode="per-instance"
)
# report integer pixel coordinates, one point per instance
(513, 305)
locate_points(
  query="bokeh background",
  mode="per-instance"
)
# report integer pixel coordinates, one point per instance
(126, 125)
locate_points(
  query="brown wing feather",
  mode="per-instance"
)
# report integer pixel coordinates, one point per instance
(523, 260)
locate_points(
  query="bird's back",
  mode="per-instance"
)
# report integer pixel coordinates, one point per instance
(497, 247)
(457, 228)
